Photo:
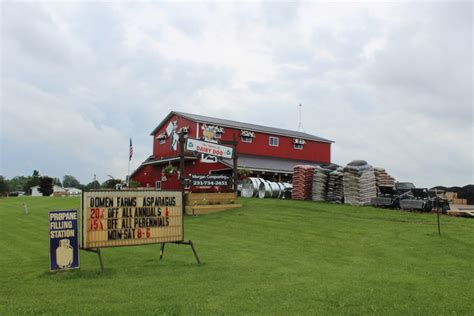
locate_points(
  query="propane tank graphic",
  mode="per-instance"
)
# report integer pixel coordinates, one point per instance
(64, 254)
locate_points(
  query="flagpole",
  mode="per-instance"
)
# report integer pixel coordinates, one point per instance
(128, 173)
(130, 153)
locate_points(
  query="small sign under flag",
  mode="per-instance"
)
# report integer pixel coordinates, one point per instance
(63, 240)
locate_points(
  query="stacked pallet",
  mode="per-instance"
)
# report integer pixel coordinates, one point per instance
(382, 178)
(320, 181)
(302, 182)
(359, 183)
(336, 186)
(453, 197)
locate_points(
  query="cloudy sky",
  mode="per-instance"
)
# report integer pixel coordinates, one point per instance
(389, 83)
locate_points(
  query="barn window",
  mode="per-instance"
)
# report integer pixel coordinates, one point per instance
(273, 141)
(246, 136)
(246, 139)
(161, 138)
(298, 143)
(158, 185)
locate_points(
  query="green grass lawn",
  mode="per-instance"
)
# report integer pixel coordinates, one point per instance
(268, 257)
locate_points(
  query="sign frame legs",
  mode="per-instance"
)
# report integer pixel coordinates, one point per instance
(162, 250)
(182, 242)
(97, 251)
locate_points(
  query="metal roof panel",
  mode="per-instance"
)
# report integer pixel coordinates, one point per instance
(253, 127)
(242, 125)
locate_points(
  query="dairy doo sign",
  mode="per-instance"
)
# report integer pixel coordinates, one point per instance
(126, 218)
(209, 148)
(63, 240)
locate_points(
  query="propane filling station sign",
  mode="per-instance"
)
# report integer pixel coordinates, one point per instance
(63, 240)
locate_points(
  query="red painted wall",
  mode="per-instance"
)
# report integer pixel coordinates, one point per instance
(312, 150)
(164, 150)
(148, 175)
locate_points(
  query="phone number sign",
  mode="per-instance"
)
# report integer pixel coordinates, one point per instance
(208, 180)
(130, 217)
(209, 148)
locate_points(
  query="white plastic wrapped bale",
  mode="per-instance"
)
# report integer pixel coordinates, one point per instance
(320, 180)
(335, 192)
(359, 183)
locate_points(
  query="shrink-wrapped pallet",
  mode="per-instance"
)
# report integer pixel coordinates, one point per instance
(359, 183)
(382, 178)
(335, 192)
(302, 182)
(320, 181)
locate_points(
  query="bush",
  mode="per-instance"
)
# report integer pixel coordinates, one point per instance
(169, 170)
(134, 184)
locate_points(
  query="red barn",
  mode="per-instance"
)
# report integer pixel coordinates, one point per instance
(267, 152)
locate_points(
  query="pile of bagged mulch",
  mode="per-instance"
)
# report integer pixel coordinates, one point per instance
(356, 183)
(382, 178)
(359, 183)
(335, 187)
(302, 182)
(320, 181)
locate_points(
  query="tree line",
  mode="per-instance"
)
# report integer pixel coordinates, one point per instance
(22, 184)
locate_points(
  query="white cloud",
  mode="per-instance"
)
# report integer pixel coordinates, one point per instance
(390, 83)
(66, 138)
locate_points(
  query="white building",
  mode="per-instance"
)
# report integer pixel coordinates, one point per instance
(73, 191)
(35, 190)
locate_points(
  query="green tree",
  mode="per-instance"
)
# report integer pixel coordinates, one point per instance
(134, 184)
(34, 180)
(18, 183)
(57, 182)
(93, 185)
(3, 187)
(46, 186)
(111, 183)
(71, 182)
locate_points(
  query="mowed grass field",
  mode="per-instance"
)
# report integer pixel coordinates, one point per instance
(271, 257)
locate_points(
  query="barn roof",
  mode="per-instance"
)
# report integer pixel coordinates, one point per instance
(242, 125)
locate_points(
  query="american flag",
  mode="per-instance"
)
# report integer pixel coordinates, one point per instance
(131, 150)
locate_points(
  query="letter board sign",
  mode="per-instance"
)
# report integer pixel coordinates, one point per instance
(131, 217)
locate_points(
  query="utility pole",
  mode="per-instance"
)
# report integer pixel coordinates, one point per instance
(300, 125)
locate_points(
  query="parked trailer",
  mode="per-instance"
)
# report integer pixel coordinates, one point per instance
(386, 197)
(406, 196)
